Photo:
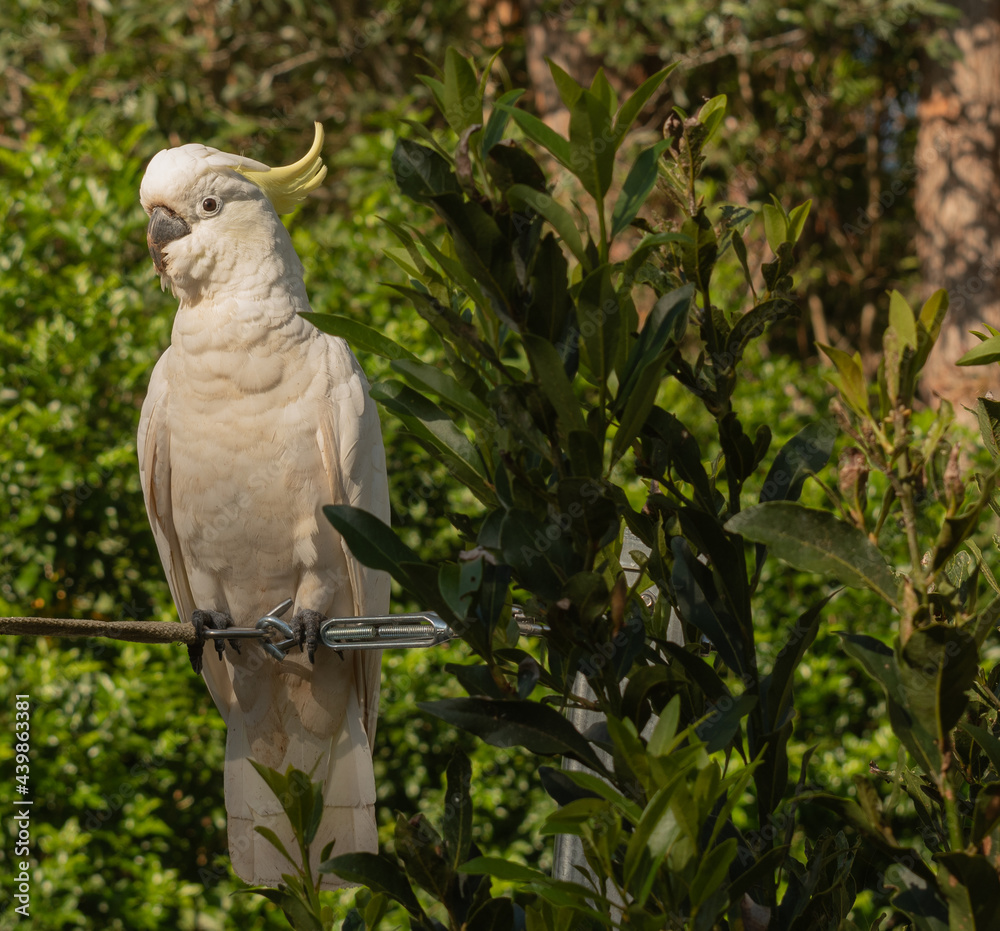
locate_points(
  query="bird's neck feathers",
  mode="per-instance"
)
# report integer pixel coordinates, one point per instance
(250, 314)
(255, 263)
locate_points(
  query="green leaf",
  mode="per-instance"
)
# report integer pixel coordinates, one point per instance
(516, 723)
(360, 337)
(776, 686)
(405, 239)
(712, 870)
(300, 798)
(379, 873)
(754, 323)
(987, 351)
(656, 832)
(548, 369)
(591, 145)
(431, 424)
(664, 735)
(816, 541)
(929, 323)
(424, 133)
(973, 892)
(899, 347)
(585, 454)
(797, 220)
(601, 88)
(698, 603)
(456, 825)
(576, 817)
(639, 403)
(436, 88)
(434, 378)
(986, 815)
(989, 744)
(598, 319)
(665, 324)
(539, 132)
(507, 870)
(455, 270)
(852, 380)
(638, 183)
(500, 116)
(988, 414)
(276, 782)
(901, 319)
(632, 107)
(670, 438)
(463, 105)
(520, 196)
(454, 586)
(881, 664)
(306, 807)
(420, 848)
(540, 552)
(509, 164)
(600, 788)
(374, 544)
(569, 90)
(569, 895)
(722, 723)
(740, 248)
(937, 667)
(699, 257)
(422, 173)
(711, 116)
(775, 226)
(803, 455)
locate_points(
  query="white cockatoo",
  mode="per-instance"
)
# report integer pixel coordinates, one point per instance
(254, 420)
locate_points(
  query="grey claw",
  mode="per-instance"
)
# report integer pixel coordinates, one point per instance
(306, 626)
(215, 620)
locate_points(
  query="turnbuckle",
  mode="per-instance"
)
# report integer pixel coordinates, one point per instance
(399, 631)
(394, 631)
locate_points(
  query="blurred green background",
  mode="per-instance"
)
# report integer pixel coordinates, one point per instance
(129, 820)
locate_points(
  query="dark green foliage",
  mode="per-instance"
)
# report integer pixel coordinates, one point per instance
(668, 836)
(568, 396)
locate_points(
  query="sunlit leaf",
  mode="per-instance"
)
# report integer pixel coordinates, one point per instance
(817, 541)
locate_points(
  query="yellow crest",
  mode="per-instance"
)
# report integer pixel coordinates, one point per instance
(287, 187)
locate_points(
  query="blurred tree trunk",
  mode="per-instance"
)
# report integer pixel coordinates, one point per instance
(957, 195)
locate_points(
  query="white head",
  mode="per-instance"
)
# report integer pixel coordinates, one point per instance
(213, 217)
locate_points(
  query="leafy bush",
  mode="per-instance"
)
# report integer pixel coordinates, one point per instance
(550, 411)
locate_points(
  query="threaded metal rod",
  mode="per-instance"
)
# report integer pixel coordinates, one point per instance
(380, 632)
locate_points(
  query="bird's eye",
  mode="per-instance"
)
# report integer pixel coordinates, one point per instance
(210, 206)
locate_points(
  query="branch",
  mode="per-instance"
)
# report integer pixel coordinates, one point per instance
(135, 631)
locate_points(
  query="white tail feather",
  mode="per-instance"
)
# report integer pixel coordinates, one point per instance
(344, 764)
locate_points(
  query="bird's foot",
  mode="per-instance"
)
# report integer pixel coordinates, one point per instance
(214, 620)
(305, 625)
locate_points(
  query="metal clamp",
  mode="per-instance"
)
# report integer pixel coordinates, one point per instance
(261, 631)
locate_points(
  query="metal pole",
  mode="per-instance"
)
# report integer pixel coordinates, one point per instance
(567, 857)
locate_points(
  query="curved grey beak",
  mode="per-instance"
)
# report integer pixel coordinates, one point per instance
(164, 226)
